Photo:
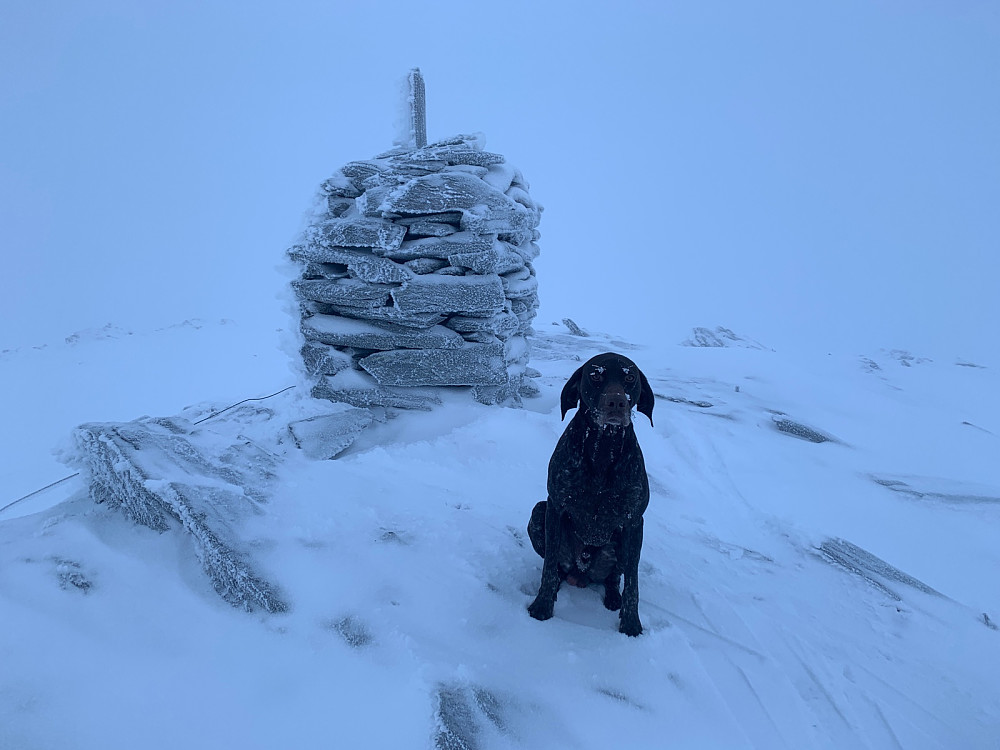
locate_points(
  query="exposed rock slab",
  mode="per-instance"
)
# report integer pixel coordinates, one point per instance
(329, 435)
(461, 294)
(472, 364)
(358, 232)
(361, 263)
(443, 247)
(340, 331)
(360, 389)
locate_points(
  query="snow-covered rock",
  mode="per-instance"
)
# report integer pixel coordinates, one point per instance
(159, 475)
(719, 337)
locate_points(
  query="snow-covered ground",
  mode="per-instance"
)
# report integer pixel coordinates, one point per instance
(794, 593)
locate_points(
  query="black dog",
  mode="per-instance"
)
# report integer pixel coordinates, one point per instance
(590, 529)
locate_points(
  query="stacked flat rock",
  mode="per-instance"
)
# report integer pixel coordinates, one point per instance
(417, 272)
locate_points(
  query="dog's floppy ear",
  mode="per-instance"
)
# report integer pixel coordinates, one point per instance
(570, 398)
(645, 397)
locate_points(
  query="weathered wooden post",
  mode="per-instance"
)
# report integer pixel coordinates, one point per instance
(418, 108)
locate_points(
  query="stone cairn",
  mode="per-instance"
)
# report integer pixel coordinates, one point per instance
(417, 272)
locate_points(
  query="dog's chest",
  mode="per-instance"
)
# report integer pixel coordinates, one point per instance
(599, 484)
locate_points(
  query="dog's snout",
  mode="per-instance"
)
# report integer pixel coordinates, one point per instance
(615, 398)
(614, 407)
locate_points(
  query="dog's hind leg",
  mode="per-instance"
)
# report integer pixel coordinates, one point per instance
(536, 528)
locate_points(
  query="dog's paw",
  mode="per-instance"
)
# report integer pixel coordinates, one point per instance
(612, 599)
(630, 626)
(541, 610)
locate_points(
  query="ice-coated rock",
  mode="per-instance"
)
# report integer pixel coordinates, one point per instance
(339, 331)
(499, 259)
(357, 232)
(352, 292)
(512, 225)
(423, 266)
(500, 176)
(719, 337)
(448, 191)
(361, 263)
(497, 395)
(429, 229)
(527, 250)
(358, 171)
(159, 475)
(520, 284)
(337, 206)
(449, 217)
(503, 324)
(323, 359)
(361, 389)
(461, 294)
(386, 314)
(519, 195)
(368, 204)
(472, 364)
(330, 271)
(339, 186)
(327, 436)
(441, 247)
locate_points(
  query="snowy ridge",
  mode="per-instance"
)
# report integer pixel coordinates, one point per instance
(795, 593)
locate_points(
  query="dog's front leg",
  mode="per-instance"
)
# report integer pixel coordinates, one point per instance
(544, 604)
(631, 546)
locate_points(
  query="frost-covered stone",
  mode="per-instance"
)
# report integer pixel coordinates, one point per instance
(386, 314)
(472, 364)
(520, 284)
(362, 264)
(500, 176)
(339, 331)
(512, 225)
(527, 250)
(322, 359)
(441, 247)
(463, 294)
(337, 206)
(447, 218)
(343, 292)
(509, 393)
(327, 436)
(340, 186)
(429, 229)
(358, 171)
(358, 232)
(447, 191)
(719, 337)
(158, 475)
(502, 324)
(360, 389)
(423, 266)
(499, 259)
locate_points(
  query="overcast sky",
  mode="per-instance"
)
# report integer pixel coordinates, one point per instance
(823, 175)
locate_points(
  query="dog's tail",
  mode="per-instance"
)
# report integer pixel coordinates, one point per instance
(536, 528)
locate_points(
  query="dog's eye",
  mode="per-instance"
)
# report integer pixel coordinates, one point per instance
(629, 377)
(595, 376)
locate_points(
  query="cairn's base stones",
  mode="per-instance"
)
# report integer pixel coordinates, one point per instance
(417, 274)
